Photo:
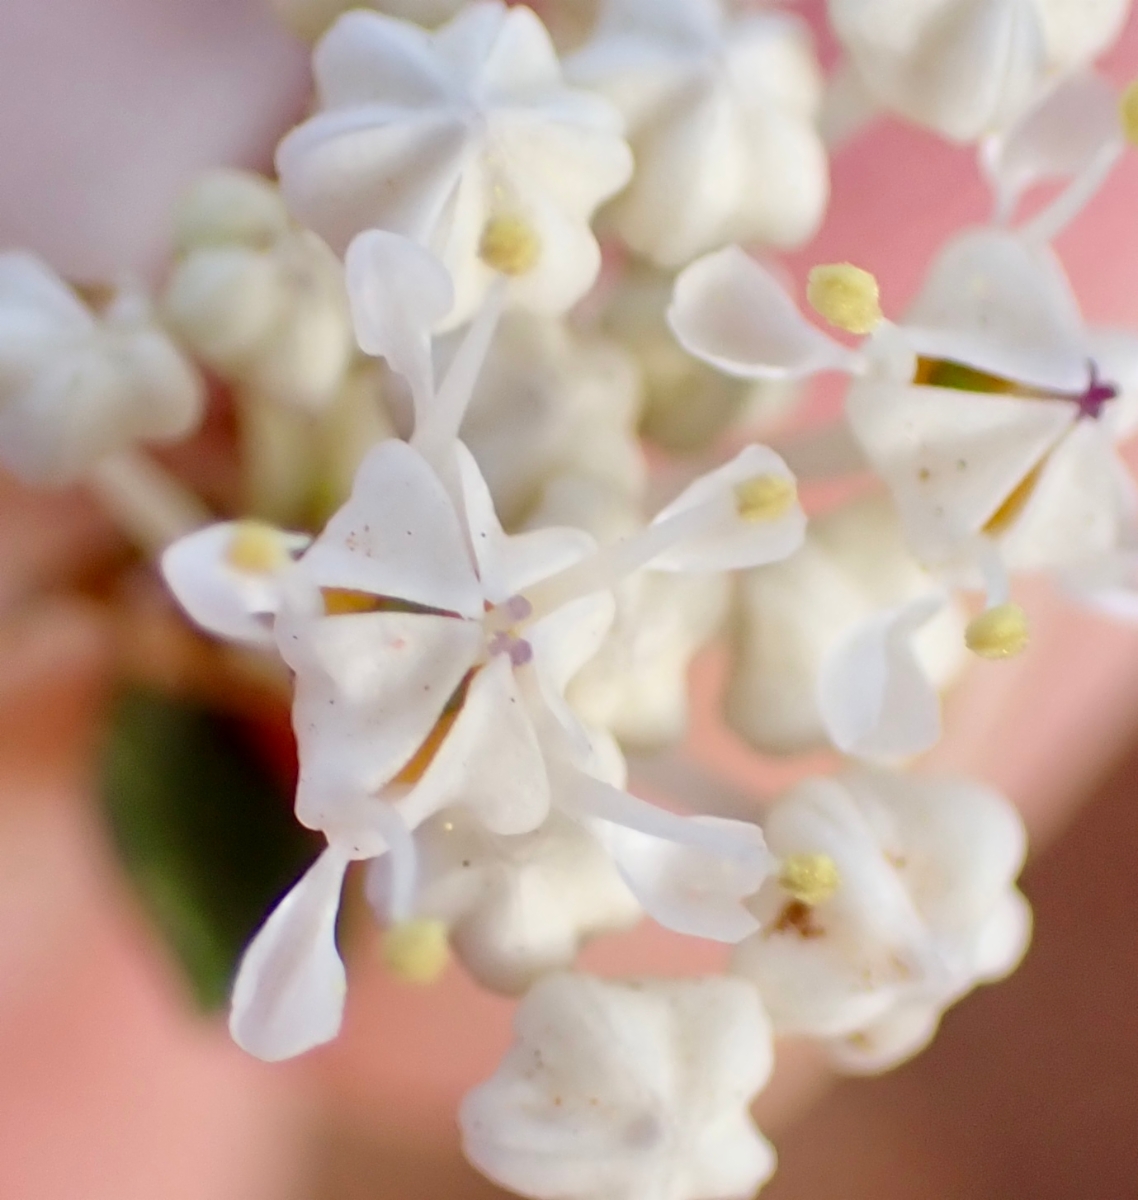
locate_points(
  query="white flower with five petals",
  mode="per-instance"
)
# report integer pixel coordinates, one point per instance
(455, 137)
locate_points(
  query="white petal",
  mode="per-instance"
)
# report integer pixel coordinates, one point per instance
(1059, 138)
(490, 761)
(399, 292)
(993, 302)
(873, 695)
(905, 1030)
(398, 536)
(289, 993)
(731, 312)
(721, 539)
(220, 596)
(691, 874)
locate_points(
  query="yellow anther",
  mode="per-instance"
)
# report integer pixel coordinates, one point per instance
(765, 497)
(999, 632)
(1128, 113)
(256, 548)
(416, 951)
(846, 296)
(809, 878)
(510, 244)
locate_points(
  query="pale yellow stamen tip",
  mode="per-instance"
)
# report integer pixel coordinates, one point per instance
(416, 951)
(1000, 632)
(809, 878)
(1128, 113)
(765, 497)
(510, 245)
(846, 296)
(256, 548)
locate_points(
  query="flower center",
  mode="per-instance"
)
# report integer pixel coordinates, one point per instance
(502, 635)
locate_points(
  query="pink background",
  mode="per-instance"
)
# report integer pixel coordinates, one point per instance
(112, 1089)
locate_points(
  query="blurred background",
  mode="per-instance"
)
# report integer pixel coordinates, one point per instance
(113, 1087)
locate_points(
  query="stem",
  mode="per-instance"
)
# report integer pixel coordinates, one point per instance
(147, 502)
(1047, 224)
(403, 862)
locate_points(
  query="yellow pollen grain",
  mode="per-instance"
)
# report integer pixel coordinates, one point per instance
(510, 245)
(846, 296)
(999, 632)
(809, 878)
(765, 497)
(1128, 113)
(256, 548)
(416, 951)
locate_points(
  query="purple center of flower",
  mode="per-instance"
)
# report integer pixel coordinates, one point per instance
(1091, 402)
(518, 649)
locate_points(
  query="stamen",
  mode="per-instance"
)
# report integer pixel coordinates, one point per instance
(765, 497)
(416, 951)
(256, 548)
(1000, 632)
(846, 296)
(1128, 113)
(809, 878)
(510, 245)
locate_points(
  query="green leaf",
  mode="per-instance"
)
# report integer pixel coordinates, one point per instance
(204, 829)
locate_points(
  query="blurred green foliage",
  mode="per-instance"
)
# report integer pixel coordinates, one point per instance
(204, 829)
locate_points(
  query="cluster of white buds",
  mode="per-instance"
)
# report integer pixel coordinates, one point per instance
(490, 619)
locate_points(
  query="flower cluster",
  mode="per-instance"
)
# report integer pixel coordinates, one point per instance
(523, 467)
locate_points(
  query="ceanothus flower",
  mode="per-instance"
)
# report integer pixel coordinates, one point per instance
(721, 115)
(464, 140)
(633, 1090)
(77, 385)
(431, 653)
(966, 68)
(257, 299)
(895, 898)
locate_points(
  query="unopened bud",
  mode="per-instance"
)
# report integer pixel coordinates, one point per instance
(846, 296)
(999, 632)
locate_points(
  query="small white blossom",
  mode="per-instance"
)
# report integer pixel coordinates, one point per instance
(965, 68)
(452, 137)
(257, 299)
(627, 1091)
(921, 907)
(789, 617)
(75, 385)
(721, 114)
(517, 907)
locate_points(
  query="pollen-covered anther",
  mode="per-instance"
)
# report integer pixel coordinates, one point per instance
(1128, 113)
(999, 632)
(256, 548)
(809, 878)
(765, 497)
(416, 950)
(510, 244)
(846, 296)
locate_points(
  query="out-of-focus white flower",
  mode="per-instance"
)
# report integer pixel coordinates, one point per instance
(789, 616)
(76, 385)
(309, 19)
(464, 140)
(550, 402)
(721, 114)
(918, 907)
(259, 300)
(966, 68)
(627, 1091)
(517, 907)
(686, 405)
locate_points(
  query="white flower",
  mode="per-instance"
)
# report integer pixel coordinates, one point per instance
(965, 68)
(920, 909)
(76, 386)
(721, 115)
(258, 300)
(627, 1091)
(550, 402)
(517, 907)
(789, 616)
(457, 139)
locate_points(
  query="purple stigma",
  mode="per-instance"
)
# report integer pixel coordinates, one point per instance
(1091, 402)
